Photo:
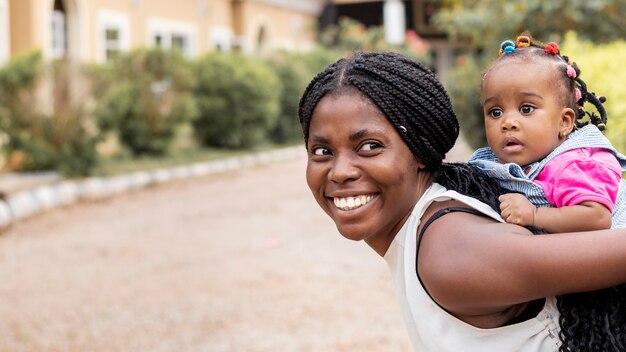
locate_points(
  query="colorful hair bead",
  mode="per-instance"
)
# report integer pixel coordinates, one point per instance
(552, 48)
(571, 72)
(522, 41)
(578, 94)
(507, 47)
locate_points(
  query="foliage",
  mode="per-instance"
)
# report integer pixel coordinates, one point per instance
(602, 70)
(485, 23)
(463, 85)
(44, 117)
(350, 35)
(294, 71)
(238, 100)
(144, 96)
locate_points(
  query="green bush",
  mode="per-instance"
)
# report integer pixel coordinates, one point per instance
(294, 70)
(350, 35)
(601, 68)
(238, 101)
(463, 85)
(44, 117)
(144, 96)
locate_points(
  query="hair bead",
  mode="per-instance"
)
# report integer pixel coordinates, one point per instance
(552, 48)
(571, 72)
(507, 47)
(523, 41)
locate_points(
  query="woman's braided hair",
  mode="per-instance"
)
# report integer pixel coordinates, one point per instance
(417, 105)
(591, 321)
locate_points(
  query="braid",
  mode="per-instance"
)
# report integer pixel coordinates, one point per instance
(471, 182)
(405, 91)
(592, 321)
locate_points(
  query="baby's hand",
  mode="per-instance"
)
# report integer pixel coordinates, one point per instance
(516, 209)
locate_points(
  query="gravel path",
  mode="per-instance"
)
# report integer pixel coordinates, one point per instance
(240, 261)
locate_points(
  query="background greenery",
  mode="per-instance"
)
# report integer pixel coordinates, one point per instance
(152, 108)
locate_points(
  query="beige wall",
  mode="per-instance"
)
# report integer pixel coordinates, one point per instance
(21, 27)
(283, 27)
(206, 23)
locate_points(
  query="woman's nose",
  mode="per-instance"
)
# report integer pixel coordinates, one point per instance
(344, 169)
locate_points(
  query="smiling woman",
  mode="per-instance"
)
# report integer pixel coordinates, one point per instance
(377, 127)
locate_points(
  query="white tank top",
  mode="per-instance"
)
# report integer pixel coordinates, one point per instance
(431, 328)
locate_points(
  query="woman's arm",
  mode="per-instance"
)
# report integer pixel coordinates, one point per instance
(472, 265)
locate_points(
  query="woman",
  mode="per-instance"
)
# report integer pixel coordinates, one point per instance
(377, 127)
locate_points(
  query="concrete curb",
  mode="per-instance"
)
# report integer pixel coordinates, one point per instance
(28, 203)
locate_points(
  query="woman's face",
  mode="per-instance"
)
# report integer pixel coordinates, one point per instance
(359, 169)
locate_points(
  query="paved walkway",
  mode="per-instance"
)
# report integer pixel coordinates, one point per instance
(240, 260)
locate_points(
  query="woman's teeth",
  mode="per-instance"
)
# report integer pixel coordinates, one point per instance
(349, 203)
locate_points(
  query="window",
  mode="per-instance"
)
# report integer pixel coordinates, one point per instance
(113, 35)
(4, 32)
(221, 39)
(112, 43)
(179, 42)
(172, 35)
(59, 42)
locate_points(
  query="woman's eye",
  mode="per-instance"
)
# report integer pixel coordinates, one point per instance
(526, 109)
(369, 146)
(320, 151)
(495, 113)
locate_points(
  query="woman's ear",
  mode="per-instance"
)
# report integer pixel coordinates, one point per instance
(568, 119)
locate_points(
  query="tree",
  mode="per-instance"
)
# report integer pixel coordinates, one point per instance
(487, 22)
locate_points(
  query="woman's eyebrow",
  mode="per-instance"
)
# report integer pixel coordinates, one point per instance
(320, 139)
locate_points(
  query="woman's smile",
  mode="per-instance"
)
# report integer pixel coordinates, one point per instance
(352, 202)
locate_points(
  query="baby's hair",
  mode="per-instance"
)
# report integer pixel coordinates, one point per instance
(573, 90)
(413, 99)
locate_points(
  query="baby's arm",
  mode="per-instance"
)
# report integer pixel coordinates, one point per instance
(586, 216)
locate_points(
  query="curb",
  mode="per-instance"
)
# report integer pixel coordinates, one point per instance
(28, 203)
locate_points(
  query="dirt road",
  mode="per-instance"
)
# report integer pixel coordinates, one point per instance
(240, 261)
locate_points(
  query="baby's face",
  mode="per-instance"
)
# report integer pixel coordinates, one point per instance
(524, 118)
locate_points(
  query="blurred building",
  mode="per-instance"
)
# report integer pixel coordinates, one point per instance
(397, 17)
(97, 30)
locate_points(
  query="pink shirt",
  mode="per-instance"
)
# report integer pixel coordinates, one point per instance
(581, 175)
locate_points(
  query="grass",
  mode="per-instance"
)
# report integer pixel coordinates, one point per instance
(126, 164)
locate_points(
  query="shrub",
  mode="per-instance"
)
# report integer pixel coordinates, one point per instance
(144, 96)
(238, 101)
(602, 71)
(44, 117)
(294, 70)
(463, 85)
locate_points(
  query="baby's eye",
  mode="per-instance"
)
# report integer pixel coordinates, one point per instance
(369, 146)
(526, 109)
(320, 151)
(495, 113)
